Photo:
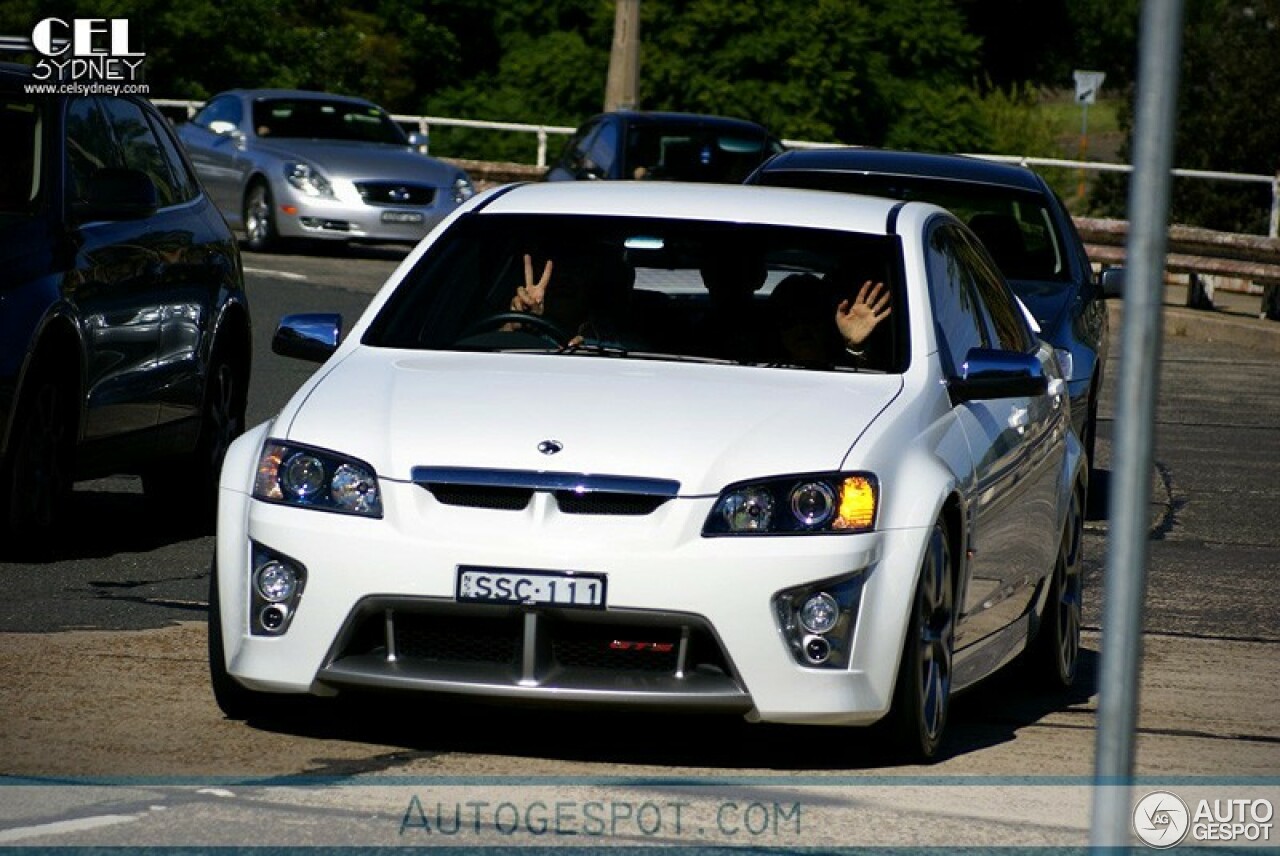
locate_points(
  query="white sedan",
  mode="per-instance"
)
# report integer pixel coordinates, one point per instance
(787, 454)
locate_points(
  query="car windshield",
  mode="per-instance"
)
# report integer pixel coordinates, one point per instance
(1015, 226)
(19, 154)
(643, 288)
(693, 153)
(312, 118)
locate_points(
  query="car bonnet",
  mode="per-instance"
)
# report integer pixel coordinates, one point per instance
(701, 425)
(356, 160)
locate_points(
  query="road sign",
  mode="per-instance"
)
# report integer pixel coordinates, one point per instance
(1087, 85)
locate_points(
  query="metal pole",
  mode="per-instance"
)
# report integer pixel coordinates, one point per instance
(1125, 573)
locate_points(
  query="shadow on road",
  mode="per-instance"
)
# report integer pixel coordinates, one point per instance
(332, 249)
(989, 714)
(111, 517)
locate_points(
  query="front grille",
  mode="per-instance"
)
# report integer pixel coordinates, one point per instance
(569, 502)
(607, 503)
(620, 648)
(564, 641)
(395, 193)
(454, 639)
(476, 496)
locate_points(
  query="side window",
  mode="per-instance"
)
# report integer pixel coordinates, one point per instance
(602, 148)
(956, 310)
(139, 146)
(89, 147)
(1003, 316)
(185, 186)
(571, 157)
(220, 115)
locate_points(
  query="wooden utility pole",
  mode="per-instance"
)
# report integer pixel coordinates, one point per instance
(622, 91)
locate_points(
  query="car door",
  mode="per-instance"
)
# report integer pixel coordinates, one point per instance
(999, 569)
(193, 252)
(214, 141)
(113, 283)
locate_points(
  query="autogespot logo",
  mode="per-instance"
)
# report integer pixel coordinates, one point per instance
(1161, 819)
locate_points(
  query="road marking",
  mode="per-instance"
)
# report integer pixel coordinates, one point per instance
(282, 274)
(62, 827)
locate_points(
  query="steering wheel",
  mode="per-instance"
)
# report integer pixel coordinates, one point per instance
(542, 326)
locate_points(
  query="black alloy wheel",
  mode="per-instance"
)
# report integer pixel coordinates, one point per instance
(37, 477)
(922, 696)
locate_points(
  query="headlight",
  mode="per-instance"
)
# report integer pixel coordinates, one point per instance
(794, 505)
(313, 478)
(462, 189)
(308, 179)
(1067, 362)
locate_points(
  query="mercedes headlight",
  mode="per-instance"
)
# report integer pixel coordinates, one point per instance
(306, 477)
(794, 505)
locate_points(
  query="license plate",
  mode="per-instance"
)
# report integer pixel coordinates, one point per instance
(513, 586)
(402, 217)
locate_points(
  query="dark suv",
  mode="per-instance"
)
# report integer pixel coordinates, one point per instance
(124, 327)
(1025, 227)
(639, 144)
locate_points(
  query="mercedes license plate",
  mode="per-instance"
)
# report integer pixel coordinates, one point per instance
(402, 217)
(514, 586)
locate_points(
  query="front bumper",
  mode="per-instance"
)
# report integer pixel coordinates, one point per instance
(349, 217)
(691, 621)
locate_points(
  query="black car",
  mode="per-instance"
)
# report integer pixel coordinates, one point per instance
(635, 144)
(1022, 222)
(124, 327)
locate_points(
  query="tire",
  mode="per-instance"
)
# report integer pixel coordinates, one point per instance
(234, 700)
(191, 483)
(922, 695)
(259, 218)
(1090, 439)
(1053, 657)
(37, 475)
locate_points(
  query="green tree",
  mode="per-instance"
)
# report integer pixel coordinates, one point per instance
(1226, 98)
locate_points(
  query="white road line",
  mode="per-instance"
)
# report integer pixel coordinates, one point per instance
(63, 827)
(281, 274)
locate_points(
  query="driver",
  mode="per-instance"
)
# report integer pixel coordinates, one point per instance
(589, 299)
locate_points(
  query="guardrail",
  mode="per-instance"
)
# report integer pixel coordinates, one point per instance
(542, 134)
(1192, 251)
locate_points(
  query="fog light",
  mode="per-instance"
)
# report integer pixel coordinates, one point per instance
(817, 650)
(276, 582)
(272, 618)
(819, 613)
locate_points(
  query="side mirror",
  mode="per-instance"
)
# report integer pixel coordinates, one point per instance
(988, 374)
(118, 194)
(421, 142)
(1112, 280)
(312, 336)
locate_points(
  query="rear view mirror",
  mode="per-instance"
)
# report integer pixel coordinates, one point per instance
(988, 374)
(1112, 280)
(311, 336)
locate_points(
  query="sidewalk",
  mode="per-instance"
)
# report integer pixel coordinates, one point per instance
(1234, 319)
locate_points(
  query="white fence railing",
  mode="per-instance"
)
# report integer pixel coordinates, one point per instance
(543, 132)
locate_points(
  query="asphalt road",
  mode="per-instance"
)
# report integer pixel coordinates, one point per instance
(110, 735)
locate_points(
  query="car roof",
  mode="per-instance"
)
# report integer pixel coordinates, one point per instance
(899, 162)
(667, 117)
(699, 201)
(299, 94)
